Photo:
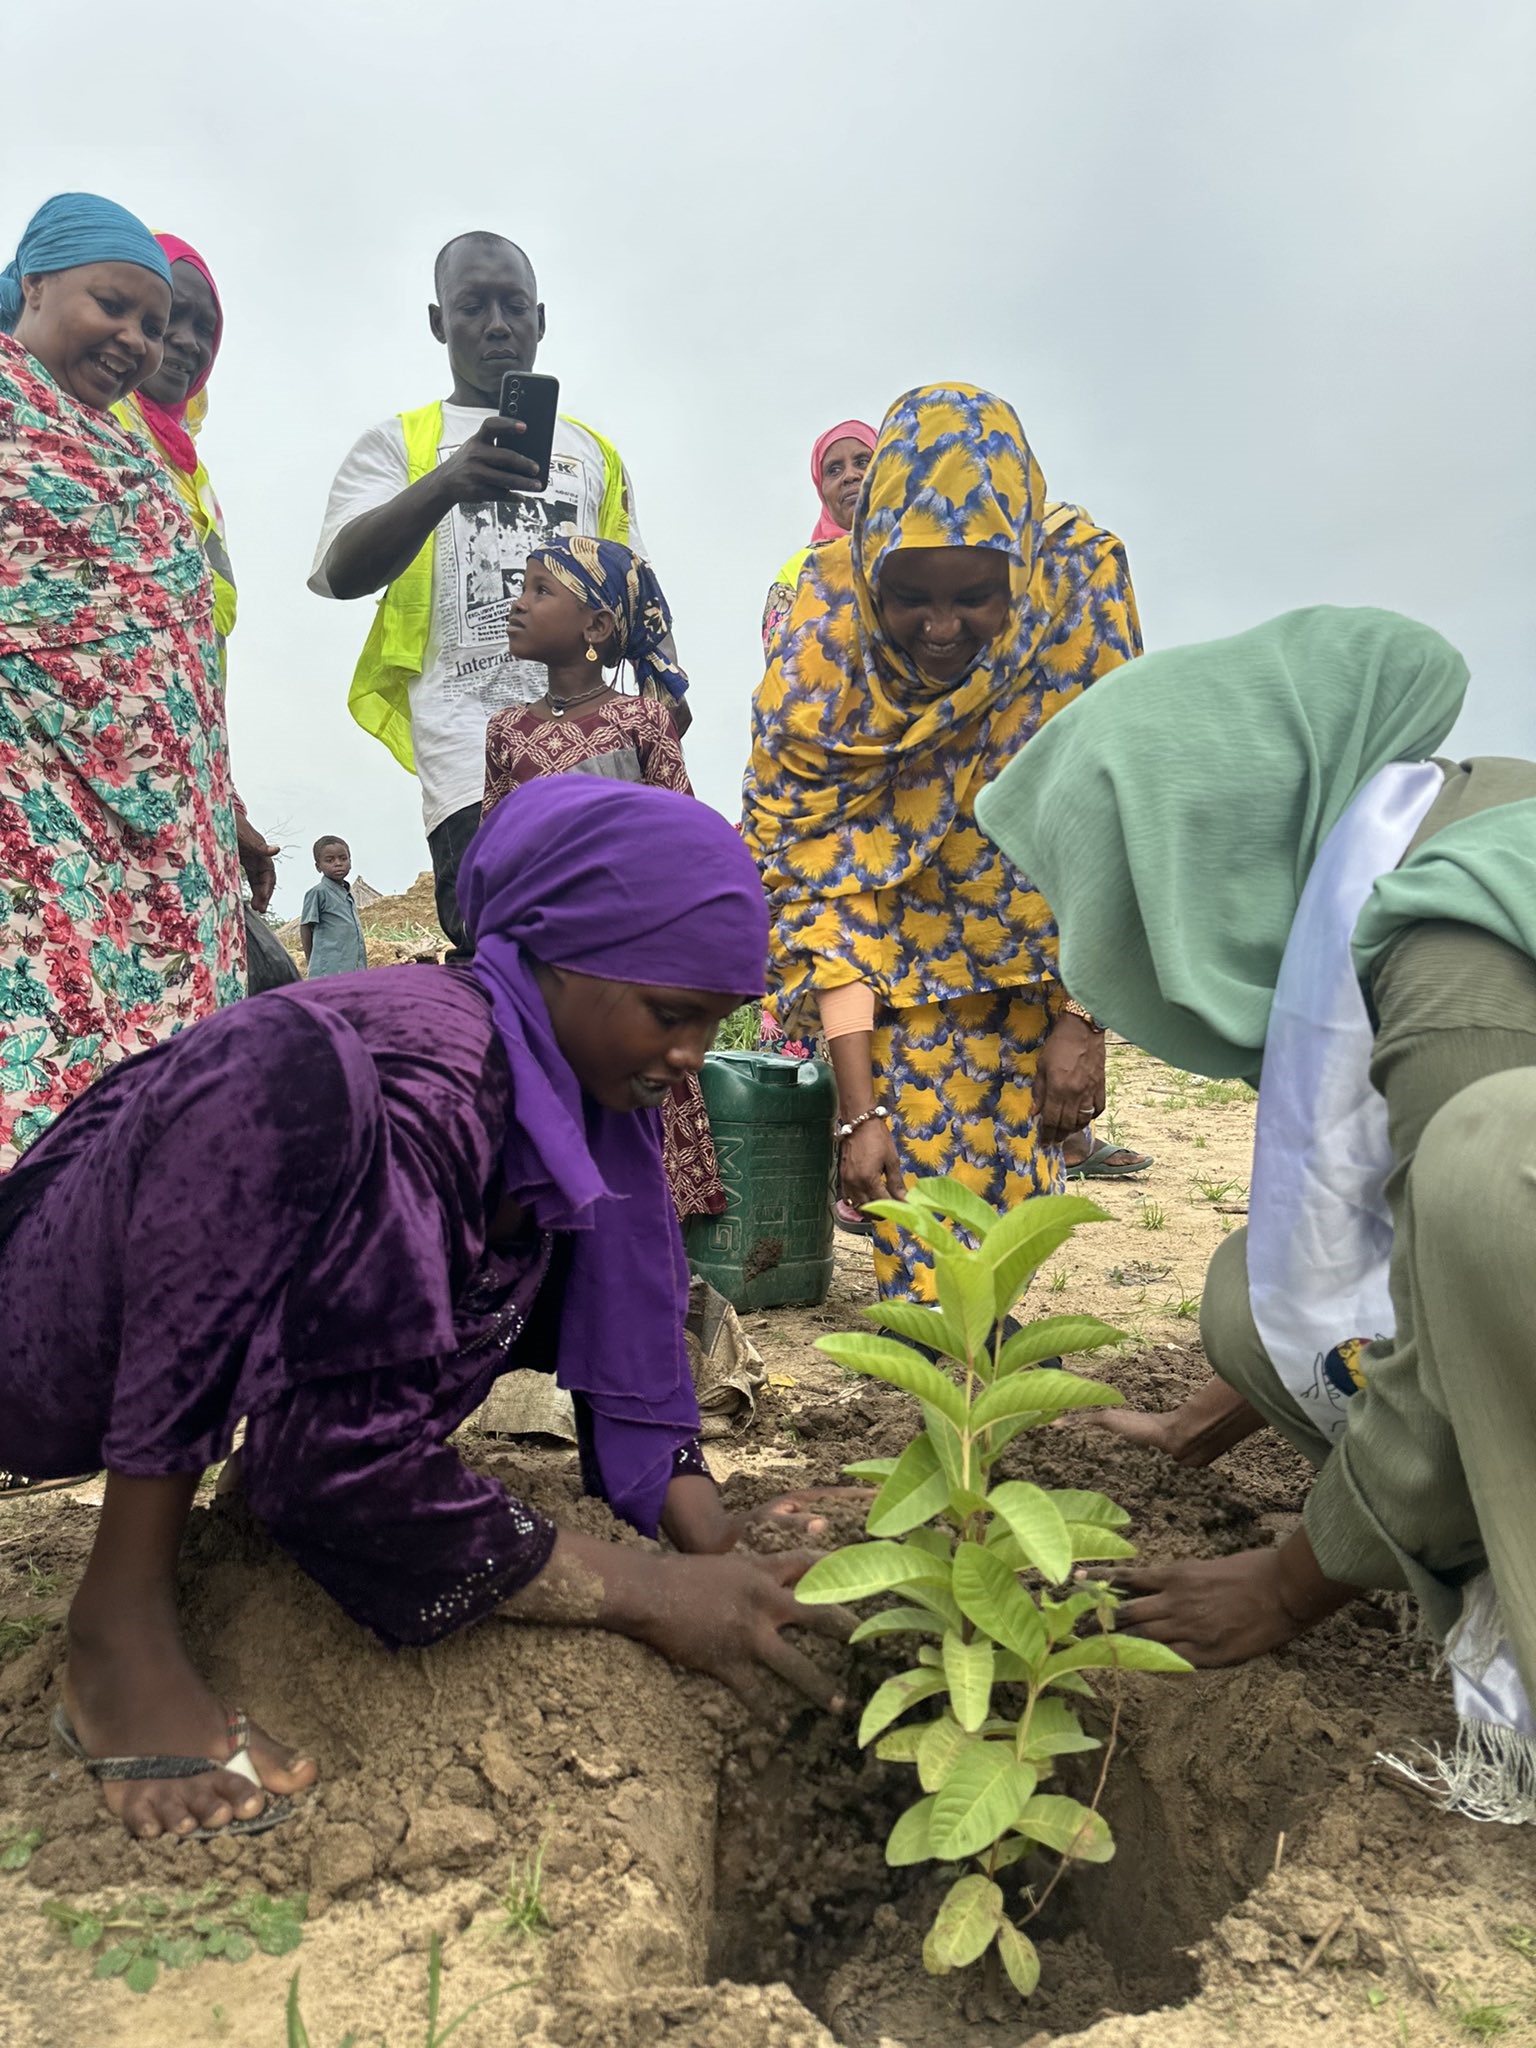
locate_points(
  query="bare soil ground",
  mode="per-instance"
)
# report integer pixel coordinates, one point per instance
(712, 1883)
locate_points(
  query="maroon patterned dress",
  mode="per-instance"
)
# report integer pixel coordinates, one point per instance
(631, 739)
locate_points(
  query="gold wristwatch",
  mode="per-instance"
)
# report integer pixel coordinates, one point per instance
(1072, 1008)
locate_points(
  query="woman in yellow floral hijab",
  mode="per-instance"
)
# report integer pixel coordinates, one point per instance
(920, 655)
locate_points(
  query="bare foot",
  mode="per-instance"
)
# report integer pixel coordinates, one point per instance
(130, 1690)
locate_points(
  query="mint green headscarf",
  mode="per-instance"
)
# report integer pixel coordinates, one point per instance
(1171, 814)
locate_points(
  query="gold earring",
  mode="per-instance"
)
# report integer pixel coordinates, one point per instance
(591, 652)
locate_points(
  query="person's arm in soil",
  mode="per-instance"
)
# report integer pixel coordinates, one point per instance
(380, 544)
(1195, 1434)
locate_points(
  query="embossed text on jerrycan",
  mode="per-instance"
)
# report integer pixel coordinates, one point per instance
(772, 1125)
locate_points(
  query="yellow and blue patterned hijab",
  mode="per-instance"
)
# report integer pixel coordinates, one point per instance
(859, 794)
(606, 576)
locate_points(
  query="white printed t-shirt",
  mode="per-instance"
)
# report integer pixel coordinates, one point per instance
(478, 556)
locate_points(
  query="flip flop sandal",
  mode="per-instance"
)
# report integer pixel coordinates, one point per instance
(1095, 1166)
(119, 1769)
(847, 1218)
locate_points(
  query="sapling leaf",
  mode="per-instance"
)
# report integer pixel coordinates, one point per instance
(865, 1568)
(1077, 1505)
(1062, 1616)
(1044, 1391)
(1021, 1959)
(943, 1743)
(938, 1599)
(921, 1223)
(1071, 1681)
(900, 1745)
(1067, 1826)
(965, 1296)
(928, 1656)
(870, 1468)
(1037, 1526)
(986, 1792)
(933, 1541)
(919, 1324)
(1114, 1651)
(178, 1951)
(1025, 1238)
(960, 1458)
(908, 1841)
(961, 1204)
(964, 1925)
(990, 1596)
(1054, 1337)
(895, 1621)
(883, 1358)
(1003, 1854)
(238, 1947)
(968, 1668)
(1054, 1730)
(913, 1493)
(1091, 1540)
(907, 1689)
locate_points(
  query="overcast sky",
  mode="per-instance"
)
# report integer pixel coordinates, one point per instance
(1258, 278)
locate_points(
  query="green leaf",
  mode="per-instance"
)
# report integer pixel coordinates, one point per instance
(965, 1296)
(113, 1961)
(938, 1600)
(899, 1366)
(943, 1743)
(1062, 1616)
(142, 1973)
(1055, 1337)
(989, 1595)
(870, 1468)
(1021, 1959)
(964, 1925)
(1054, 1730)
(895, 1621)
(239, 1948)
(908, 1841)
(960, 1204)
(1071, 1681)
(864, 1568)
(1067, 1826)
(1115, 1652)
(968, 1668)
(983, 1796)
(894, 1697)
(921, 1324)
(1077, 1505)
(1026, 1237)
(215, 1941)
(901, 1745)
(1037, 1526)
(1042, 1393)
(914, 1493)
(961, 1462)
(1093, 1540)
(178, 1951)
(279, 1937)
(86, 1932)
(1002, 1854)
(918, 1222)
(934, 1541)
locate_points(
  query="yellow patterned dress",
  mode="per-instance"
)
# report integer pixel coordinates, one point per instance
(859, 796)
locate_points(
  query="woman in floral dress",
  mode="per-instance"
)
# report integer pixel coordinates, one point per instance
(120, 916)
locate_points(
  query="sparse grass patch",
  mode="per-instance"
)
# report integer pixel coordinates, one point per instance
(522, 1902)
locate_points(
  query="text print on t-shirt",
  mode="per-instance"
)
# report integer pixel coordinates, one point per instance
(482, 552)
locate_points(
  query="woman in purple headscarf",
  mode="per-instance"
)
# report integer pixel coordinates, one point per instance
(342, 1211)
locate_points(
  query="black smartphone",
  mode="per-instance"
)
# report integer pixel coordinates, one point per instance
(535, 402)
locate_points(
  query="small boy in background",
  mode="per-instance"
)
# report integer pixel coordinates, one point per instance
(329, 929)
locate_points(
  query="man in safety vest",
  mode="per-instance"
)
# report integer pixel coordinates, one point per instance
(430, 510)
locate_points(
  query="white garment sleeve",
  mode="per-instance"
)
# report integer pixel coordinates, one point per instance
(374, 472)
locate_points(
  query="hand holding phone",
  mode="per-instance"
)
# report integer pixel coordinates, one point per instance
(532, 403)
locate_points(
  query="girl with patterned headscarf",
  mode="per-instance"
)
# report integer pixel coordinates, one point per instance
(586, 604)
(920, 654)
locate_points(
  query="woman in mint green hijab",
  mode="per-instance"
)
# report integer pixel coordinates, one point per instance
(1258, 868)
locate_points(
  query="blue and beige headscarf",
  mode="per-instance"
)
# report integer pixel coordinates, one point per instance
(606, 576)
(68, 230)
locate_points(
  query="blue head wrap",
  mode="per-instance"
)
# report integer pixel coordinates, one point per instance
(607, 576)
(74, 228)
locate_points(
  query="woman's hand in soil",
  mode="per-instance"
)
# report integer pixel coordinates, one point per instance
(799, 1514)
(1069, 1080)
(868, 1168)
(722, 1616)
(1194, 1435)
(1224, 1610)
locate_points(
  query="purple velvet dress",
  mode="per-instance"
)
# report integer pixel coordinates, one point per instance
(282, 1215)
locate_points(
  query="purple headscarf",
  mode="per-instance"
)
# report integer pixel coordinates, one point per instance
(626, 883)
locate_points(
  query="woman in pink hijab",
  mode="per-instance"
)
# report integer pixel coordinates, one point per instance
(838, 462)
(167, 411)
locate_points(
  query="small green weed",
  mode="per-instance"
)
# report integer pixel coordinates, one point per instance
(145, 1933)
(742, 1030)
(1058, 1283)
(1140, 1273)
(1522, 1940)
(19, 1632)
(1152, 1216)
(1376, 1997)
(40, 1584)
(1484, 2021)
(16, 1848)
(1215, 1190)
(1186, 1309)
(298, 2033)
(522, 1902)
(1223, 1094)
